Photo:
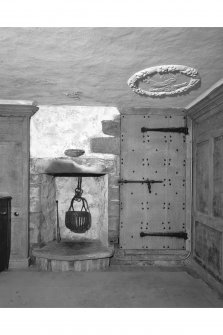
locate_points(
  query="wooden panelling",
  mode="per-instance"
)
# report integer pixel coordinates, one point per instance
(211, 124)
(202, 180)
(14, 172)
(218, 177)
(208, 247)
(207, 118)
(11, 181)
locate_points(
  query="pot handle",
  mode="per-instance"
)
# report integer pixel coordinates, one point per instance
(84, 207)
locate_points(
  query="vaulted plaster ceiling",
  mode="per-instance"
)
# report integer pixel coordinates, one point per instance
(91, 66)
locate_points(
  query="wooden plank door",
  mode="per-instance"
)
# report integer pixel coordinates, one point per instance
(158, 156)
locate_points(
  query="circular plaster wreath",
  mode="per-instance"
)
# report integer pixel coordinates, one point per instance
(165, 88)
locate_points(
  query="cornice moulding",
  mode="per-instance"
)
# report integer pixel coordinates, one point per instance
(18, 107)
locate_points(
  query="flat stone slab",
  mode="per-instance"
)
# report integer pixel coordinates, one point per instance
(73, 250)
(65, 166)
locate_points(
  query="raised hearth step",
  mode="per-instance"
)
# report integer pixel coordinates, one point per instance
(78, 255)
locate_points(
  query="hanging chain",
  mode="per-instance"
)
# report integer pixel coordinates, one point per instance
(78, 190)
(78, 197)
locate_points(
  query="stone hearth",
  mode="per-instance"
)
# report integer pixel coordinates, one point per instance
(81, 255)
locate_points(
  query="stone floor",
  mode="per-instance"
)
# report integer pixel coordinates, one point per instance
(116, 287)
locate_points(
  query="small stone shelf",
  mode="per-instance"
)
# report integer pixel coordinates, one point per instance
(65, 167)
(78, 255)
(73, 174)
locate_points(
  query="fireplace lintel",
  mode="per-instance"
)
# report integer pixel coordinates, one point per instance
(73, 174)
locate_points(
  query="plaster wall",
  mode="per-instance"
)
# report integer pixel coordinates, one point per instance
(53, 129)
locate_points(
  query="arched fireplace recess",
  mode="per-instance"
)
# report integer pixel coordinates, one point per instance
(79, 240)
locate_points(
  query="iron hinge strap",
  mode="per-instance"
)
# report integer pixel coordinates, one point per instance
(146, 181)
(168, 234)
(183, 130)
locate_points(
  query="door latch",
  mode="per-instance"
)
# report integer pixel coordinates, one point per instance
(179, 234)
(146, 181)
(183, 130)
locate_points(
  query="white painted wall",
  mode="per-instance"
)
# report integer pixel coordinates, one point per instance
(57, 128)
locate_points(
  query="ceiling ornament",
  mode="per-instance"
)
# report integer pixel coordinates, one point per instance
(165, 80)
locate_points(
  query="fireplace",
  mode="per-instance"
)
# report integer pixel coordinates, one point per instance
(70, 249)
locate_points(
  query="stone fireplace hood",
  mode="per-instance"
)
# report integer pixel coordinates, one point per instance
(63, 167)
